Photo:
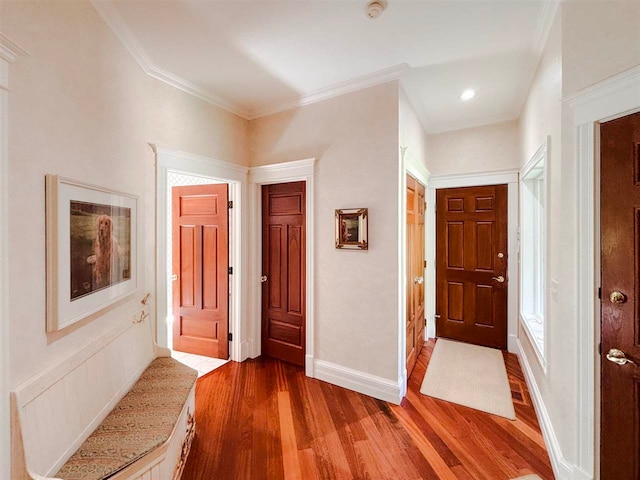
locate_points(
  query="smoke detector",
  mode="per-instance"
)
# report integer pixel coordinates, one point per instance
(375, 8)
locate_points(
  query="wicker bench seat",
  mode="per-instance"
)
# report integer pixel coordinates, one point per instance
(141, 422)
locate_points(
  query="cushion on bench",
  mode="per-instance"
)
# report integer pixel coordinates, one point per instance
(141, 422)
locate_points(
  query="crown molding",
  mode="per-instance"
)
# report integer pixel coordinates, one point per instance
(549, 10)
(472, 123)
(131, 43)
(10, 50)
(358, 83)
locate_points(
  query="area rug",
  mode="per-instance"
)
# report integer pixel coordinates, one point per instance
(469, 375)
(528, 477)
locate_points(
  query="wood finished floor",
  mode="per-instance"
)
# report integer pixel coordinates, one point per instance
(263, 419)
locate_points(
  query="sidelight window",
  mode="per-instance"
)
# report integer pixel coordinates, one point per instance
(533, 215)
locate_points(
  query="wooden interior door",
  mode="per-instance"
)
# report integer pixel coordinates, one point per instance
(620, 312)
(415, 270)
(471, 265)
(200, 268)
(283, 270)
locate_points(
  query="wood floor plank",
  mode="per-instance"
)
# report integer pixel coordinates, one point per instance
(265, 420)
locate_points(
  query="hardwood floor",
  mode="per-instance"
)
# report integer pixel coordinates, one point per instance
(263, 419)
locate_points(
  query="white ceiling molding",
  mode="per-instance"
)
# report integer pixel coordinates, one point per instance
(369, 80)
(471, 123)
(131, 43)
(549, 11)
(9, 50)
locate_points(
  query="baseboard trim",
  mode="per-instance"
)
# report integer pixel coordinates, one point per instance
(562, 468)
(246, 349)
(361, 382)
(309, 366)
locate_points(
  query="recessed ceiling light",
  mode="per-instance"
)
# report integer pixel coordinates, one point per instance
(468, 94)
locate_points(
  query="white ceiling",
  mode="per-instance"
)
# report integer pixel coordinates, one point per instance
(257, 57)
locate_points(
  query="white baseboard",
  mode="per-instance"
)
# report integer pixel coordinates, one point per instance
(309, 369)
(512, 343)
(372, 385)
(246, 349)
(562, 468)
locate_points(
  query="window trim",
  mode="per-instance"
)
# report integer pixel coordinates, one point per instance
(541, 154)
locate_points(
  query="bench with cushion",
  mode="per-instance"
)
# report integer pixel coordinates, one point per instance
(121, 408)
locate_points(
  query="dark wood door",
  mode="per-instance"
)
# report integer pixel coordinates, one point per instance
(620, 257)
(201, 263)
(415, 270)
(283, 269)
(471, 265)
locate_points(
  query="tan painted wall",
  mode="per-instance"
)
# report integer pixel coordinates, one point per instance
(81, 107)
(477, 149)
(354, 138)
(599, 39)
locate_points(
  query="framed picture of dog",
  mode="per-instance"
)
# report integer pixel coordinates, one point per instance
(352, 229)
(91, 249)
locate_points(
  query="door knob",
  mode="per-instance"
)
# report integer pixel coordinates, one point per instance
(418, 280)
(617, 297)
(263, 278)
(174, 277)
(618, 356)
(499, 279)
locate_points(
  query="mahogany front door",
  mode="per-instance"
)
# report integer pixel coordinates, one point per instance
(200, 270)
(620, 312)
(415, 270)
(283, 270)
(471, 265)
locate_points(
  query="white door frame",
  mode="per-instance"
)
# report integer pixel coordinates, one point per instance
(9, 52)
(498, 177)
(411, 165)
(236, 177)
(300, 170)
(610, 99)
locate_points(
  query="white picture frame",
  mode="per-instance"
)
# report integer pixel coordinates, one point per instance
(86, 275)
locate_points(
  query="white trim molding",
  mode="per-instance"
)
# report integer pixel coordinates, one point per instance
(236, 176)
(9, 53)
(613, 98)
(542, 154)
(364, 81)
(497, 177)
(562, 468)
(362, 382)
(300, 170)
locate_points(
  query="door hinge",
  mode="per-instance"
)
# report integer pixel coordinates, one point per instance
(600, 348)
(600, 295)
(425, 264)
(230, 270)
(230, 204)
(230, 337)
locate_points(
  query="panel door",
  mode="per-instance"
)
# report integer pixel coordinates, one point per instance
(471, 265)
(415, 270)
(200, 268)
(283, 268)
(620, 312)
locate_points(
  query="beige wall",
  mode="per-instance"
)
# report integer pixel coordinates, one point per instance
(354, 138)
(413, 137)
(81, 107)
(477, 149)
(599, 40)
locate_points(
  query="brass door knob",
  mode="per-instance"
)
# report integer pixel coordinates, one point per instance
(617, 297)
(499, 279)
(619, 357)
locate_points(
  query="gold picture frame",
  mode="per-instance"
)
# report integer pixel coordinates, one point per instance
(352, 229)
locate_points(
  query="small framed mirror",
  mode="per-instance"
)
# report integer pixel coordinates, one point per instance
(352, 229)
